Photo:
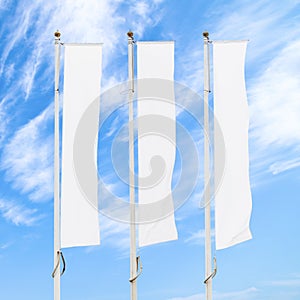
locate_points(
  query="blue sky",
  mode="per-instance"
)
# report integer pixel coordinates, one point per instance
(267, 267)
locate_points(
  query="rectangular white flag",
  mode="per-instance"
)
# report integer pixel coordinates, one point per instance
(79, 187)
(156, 142)
(233, 203)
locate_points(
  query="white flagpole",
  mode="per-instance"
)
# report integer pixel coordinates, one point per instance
(207, 210)
(56, 272)
(133, 259)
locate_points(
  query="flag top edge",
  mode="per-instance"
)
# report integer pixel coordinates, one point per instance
(83, 44)
(229, 41)
(155, 42)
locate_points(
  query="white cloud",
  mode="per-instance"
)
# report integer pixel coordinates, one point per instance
(3, 122)
(253, 20)
(17, 31)
(144, 14)
(272, 73)
(114, 234)
(283, 166)
(5, 245)
(105, 23)
(257, 21)
(274, 113)
(141, 8)
(27, 158)
(193, 297)
(30, 170)
(247, 294)
(71, 18)
(293, 281)
(198, 237)
(286, 283)
(29, 72)
(275, 100)
(18, 214)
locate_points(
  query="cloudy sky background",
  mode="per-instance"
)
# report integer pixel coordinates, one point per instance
(263, 268)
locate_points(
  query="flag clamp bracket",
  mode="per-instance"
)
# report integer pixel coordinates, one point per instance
(213, 274)
(60, 255)
(139, 269)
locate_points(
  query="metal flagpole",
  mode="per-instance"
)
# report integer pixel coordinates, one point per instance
(133, 258)
(207, 210)
(56, 272)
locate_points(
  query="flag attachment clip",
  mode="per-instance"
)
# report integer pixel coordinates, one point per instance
(139, 269)
(213, 274)
(60, 255)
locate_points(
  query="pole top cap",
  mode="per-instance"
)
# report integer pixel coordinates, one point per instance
(130, 34)
(206, 34)
(57, 34)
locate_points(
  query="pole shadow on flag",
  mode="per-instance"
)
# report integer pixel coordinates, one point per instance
(181, 135)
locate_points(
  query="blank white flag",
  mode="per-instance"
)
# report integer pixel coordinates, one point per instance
(156, 141)
(233, 203)
(79, 214)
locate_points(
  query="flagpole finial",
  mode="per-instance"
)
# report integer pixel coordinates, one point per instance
(130, 34)
(57, 34)
(206, 34)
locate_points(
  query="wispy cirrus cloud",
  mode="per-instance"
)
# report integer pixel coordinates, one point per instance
(292, 281)
(27, 152)
(115, 234)
(198, 237)
(273, 86)
(275, 109)
(247, 294)
(5, 246)
(18, 214)
(282, 166)
(27, 158)
(18, 26)
(36, 36)
(141, 9)
(257, 21)
(285, 283)
(29, 71)
(272, 75)
(275, 101)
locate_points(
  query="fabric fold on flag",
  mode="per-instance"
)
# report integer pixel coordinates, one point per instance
(79, 208)
(233, 202)
(156, 142)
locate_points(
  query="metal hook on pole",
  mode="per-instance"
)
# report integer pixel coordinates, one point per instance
(213, 274)
(139, 269)
(59, 255)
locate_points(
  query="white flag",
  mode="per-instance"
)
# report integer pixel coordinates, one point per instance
(79, 214)
(156, 142)
(233, 203)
